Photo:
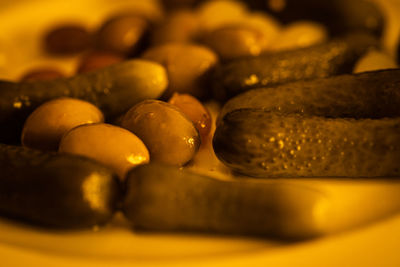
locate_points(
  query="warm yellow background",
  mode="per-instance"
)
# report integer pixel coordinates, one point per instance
(373, 245)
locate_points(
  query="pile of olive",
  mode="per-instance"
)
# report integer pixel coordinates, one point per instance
(135, 99)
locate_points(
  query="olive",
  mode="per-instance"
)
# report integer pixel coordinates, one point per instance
(188, 66)
(217, 13)
(179, 26)
(46, 125)
(168, 134)
(300, 34)
(67, 39)
(98, 59)
(122, 33)
(235, 41)
(196, 112)
(113, 146)
(41, 74)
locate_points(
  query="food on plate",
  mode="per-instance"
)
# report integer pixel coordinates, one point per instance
(343, 126)
(113, 89)
(164, 198)
(167, 132)
(56, 190)
(269, 69)
(304, 121)
(113, 146)
(45, 126)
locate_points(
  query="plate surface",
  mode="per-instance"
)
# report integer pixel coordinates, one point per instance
(351, 204)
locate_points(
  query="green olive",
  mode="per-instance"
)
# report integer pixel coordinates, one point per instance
(170, 136)
(46, 125)
(187, 65)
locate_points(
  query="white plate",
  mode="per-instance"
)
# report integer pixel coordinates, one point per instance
(350, 203)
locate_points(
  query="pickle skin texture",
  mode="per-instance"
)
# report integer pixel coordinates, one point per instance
(163, 198)
(372, 94)
(259, 143)
(270, 69)
(113, 89)
(56, 191)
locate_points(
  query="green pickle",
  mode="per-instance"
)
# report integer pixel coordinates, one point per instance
(343, 126)
(113, 89)
(335, 57)
(165, 198)
(56, 190)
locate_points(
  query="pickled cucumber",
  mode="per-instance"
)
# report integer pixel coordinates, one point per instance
(113, 89)
(259, 143)
(271, 69)
(55, 190)
(373, 94)
(165, 198)
(343, 126)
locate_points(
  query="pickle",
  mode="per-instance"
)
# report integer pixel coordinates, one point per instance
(113, 89)
(259, 143)
(165, 198)
(372, 94)
(56, 190)
(342, 126)
(339, 16)
(332, 58)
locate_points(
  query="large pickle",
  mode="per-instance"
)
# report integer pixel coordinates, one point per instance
(113, 89)
(344, 126)
(165, 198)
(56, 190)
(270, 69)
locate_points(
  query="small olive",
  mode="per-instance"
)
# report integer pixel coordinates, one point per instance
(170, 136)
(179, 26)
(98, 59)
(41, 74)
(67, 39)
(46, 125)
(195, 111)
(300, 34)
(236, 41)
(113, 146)
(122, 33)
(188, 66)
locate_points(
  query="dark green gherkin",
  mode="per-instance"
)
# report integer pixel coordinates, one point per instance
(113, 89)
(342, 126)
(165, 198)
(270, 69)
(55, 190)
(258, 143)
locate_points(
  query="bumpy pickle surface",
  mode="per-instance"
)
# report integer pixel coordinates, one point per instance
(263, 144)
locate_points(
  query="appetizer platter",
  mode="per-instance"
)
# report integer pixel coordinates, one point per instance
(199, 132)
